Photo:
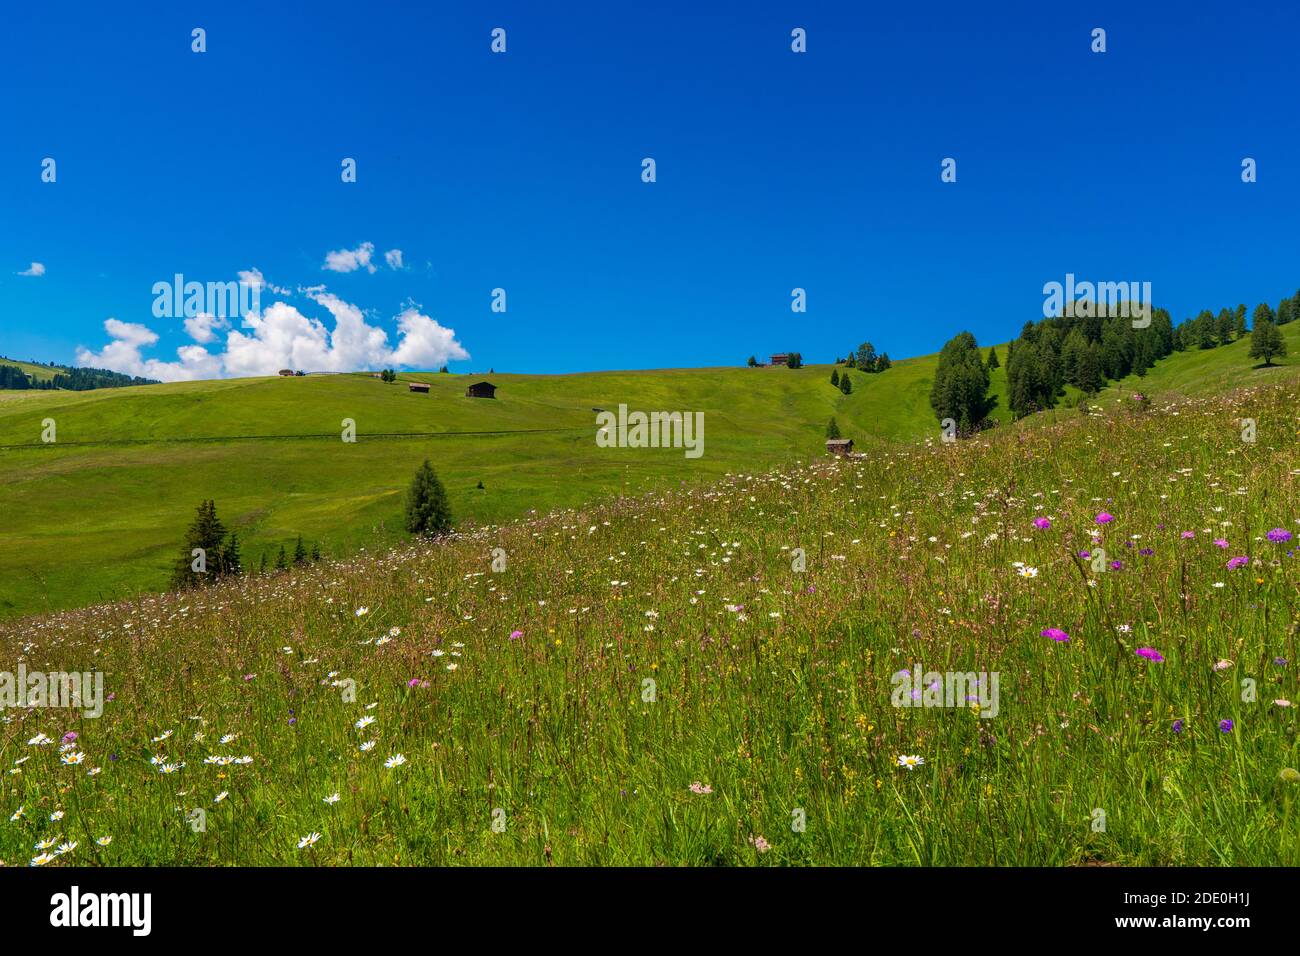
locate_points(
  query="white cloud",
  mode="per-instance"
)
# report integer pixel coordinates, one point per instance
(350, 260)
(254, 279)
(282, 337)
(203, 327)
(394, 258)
(38, 268)
(123, 355)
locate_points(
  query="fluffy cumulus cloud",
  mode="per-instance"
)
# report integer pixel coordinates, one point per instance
(123, 354)
(203, 327)
(394, 258)
(350, 260)
(281, 336)
(38, 268)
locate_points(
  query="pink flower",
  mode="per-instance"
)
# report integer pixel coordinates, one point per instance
(701, 788)
(761, 845)
(515, 635)
(1220, 543)
(1104, 518)
(1237, 562)
(70, 736)
(1151, 654)
(1189, 534)
(1042, 523)
(1055, 633)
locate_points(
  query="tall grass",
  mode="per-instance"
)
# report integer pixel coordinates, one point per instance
(519, 698)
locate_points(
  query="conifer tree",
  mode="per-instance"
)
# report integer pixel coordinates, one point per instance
(427, 508)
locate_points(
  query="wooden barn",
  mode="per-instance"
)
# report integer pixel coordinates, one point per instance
(419, 387)
(839, 446)
(481, 390)
(779, 358)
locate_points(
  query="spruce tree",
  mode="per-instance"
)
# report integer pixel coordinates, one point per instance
(315, 552)
(427, 508)
(1266, 341)
(845, 385)
(299, 553)
(992, 362)
(207, 534)
(281, 560)
(832, 429)
(835, 377)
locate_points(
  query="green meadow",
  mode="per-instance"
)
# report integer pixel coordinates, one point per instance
(699, 675)
(100, 513)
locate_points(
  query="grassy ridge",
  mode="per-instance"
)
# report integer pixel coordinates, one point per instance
(521, 697)
(99, 515)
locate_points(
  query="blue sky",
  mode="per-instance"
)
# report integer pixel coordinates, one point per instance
(522, 171)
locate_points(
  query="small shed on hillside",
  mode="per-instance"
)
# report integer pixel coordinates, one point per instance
(286, 373)
(419, 387)
(481, 390)
(839, 446)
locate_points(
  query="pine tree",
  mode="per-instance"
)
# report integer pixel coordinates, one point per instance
(427, 508)
(299, 553)
(992, 362)
(961, 383)
(281, 560)
(206, 534)
(315, 552)
(845, 385)
(867, 357)
(883, 362)
(1266, 341)
(832, 429)
(835, 377)
(261, 568)
(752, 361)
(231, 562)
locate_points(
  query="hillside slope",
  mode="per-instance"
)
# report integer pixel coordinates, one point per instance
(658, 682)
(101, 513)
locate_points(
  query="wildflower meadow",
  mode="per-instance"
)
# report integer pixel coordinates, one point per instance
(756, 671)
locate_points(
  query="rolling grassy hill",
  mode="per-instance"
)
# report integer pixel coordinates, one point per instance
(665, 680)
(40, 373)
(100, 514)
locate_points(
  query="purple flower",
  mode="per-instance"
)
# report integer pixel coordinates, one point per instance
(515, 635)
(70, 736)
(1278, 535)
(1178, 726)
(413, 682)
(1146, 552)
(1042, 523)
(1220, 543)
(1225, 725)
(1055, 633)
(1085, 554)
(1104, 518)
(1117, 565)
(1151, 654)
(1280, 661)
(1237, 562)
(1188, 534)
